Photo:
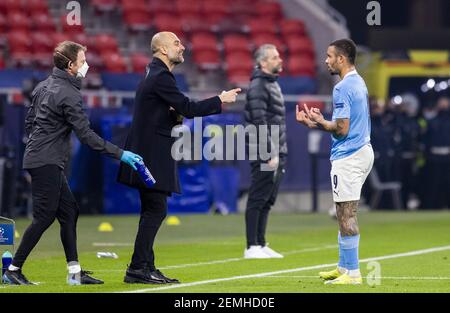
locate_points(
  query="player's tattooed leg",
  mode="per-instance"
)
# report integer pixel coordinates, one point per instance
(346, 215)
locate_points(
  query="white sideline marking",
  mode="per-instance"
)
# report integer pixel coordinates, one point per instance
(239, 259)
(376, 277)
(231, 259)
(313, 267)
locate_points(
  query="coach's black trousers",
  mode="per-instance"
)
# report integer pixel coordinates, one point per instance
(52, 199)
(261, 196)
(153, 212)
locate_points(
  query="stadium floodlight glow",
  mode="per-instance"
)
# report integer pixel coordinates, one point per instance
(397, 100)
(443, 85)
(424, 88)
(430, 83)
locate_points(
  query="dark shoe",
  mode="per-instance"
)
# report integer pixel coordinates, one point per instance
(168, 280)
(88, 280)
(15, 278)
(142, 276)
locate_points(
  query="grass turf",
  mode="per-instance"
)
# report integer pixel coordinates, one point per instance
(305, 239)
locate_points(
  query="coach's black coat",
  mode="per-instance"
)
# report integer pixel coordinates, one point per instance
(265, 106)
(153, 120)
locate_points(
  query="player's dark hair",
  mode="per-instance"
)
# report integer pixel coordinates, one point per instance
(65, 52)
(347, 48)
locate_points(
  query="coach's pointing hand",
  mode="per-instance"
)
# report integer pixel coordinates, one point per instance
(229, 96)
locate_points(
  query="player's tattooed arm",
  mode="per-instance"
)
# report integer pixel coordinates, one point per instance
(346, 215)
(339, 127)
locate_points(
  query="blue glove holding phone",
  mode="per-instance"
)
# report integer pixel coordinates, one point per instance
(130, 158)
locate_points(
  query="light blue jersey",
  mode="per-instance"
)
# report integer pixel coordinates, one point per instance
(350, 100)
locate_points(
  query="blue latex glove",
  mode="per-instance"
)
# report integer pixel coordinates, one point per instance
(130, 158)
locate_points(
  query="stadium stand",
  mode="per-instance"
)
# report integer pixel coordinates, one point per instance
(212, 31)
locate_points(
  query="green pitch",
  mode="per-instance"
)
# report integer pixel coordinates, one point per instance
(205, 253)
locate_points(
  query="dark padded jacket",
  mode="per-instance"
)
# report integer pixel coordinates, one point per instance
(265, 106)
(56, 109)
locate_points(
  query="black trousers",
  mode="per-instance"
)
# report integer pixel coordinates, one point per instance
(153, 212)
(52, 199)
(262, 195)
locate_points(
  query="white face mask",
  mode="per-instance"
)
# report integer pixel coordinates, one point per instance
(82, 71)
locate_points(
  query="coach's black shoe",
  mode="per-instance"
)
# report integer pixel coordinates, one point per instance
(89, 280)
(168, 280)
(142, 276)
(15, 278)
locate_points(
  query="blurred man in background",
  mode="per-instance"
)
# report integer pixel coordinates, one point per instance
(55, 111)
(157, 107)
(437, 151)
(265, 106)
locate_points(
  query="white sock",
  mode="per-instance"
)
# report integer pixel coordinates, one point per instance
(354, 273)
(342, 270)
(73, 267)
(13, 268)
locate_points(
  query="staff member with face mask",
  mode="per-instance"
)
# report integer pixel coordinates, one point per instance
(55, 111)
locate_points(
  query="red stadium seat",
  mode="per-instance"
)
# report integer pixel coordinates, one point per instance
(95, 61)
(292, 28)
(239, 67)
(215, 11)
(104, 5)
(59, 37)
(42, 49)
(18, 41)
(41, 43)
(10, 5)
(3, 23)
(114, 62)
(139, 62)
(207, 59)
(236, 42)
(36, 6)
(20, 52)
(171, 23)
(18, 21)
(188, 7)
(261, 39)
(270, 10)
(239, 77)
(158, 7)
(137, 20)
(71, 28)
(204, 41)
(297, 45)
(134, 5)
(84, 40)
(43, 21)
(239, 60)
(106, 43)
(21, 58)
(193, 23)
(301, 65)
(243, 10)
(262, 26)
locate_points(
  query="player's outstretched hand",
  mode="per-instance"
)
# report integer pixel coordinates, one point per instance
(313, 114)
(303, 118)
(229, 96)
